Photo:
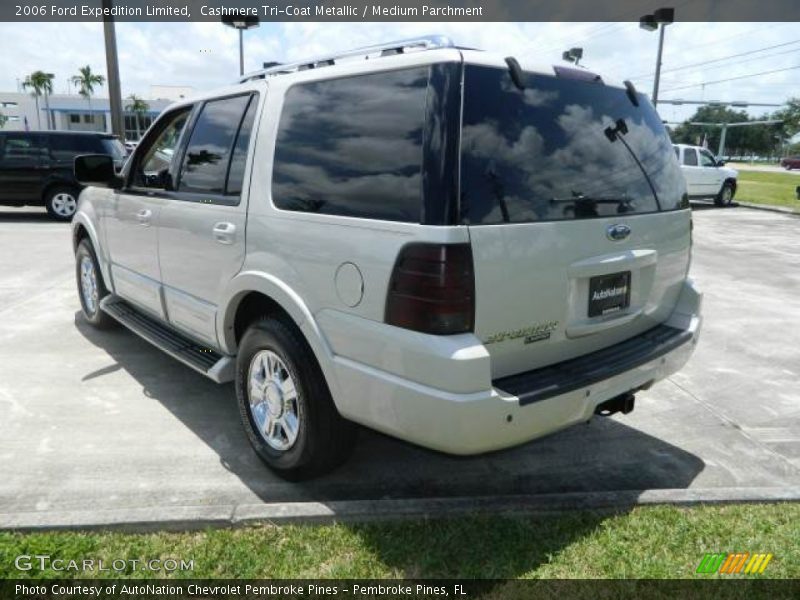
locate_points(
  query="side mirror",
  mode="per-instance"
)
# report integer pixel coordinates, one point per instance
(97, 170)
(720, 163)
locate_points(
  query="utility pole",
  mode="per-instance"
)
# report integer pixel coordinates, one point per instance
(241, 23)
(658, 64)
(658, 20)
(112, 69)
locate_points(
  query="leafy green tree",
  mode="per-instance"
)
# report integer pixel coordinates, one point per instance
(40, 84)
(790, 116)
(86, 81)
(753, 139)
(139, 108)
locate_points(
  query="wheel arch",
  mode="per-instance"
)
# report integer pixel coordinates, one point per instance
(249, 295)
(83, 228)
(253, 294)
(57, 182)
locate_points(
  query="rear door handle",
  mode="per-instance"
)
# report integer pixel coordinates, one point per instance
(224, 232)
(144, 217)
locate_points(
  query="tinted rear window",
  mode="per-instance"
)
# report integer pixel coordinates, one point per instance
(353, 146)
(542, 154)
(66, 147)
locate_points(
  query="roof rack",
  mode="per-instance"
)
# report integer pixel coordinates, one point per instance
(367, 52)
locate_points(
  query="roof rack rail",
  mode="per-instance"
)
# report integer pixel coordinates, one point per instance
(398, 47)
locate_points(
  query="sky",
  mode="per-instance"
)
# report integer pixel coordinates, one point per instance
(205, 55)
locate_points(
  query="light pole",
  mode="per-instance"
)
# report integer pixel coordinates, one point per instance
(658, 20)
(112, 69)
(573, 55)
(241, 23)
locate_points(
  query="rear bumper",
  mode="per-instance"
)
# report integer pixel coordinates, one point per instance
(520, 408)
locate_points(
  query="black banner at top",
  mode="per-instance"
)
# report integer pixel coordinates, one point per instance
(396, 10)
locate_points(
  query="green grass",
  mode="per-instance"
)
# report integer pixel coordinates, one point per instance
(776, 189)
(647, 542)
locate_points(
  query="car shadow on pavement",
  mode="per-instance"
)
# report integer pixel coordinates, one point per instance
(24, 216)
(603, 455)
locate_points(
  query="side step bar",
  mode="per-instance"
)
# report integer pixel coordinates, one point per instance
(212, 364)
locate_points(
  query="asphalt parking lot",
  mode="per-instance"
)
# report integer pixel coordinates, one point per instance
(101, 427)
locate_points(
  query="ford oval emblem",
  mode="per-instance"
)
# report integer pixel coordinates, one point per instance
(618, 232)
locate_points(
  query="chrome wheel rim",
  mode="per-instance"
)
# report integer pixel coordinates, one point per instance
(64, 204)
(274, 405)
(89, 285)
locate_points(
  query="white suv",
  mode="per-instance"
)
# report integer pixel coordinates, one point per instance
(434, 243)
(706, 177)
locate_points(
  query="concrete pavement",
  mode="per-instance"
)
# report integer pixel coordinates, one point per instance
(100, 427)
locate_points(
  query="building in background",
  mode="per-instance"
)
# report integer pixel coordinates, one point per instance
(75, 113)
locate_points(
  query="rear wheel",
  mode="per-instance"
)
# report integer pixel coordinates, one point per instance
(61, 202)
(285, 405)
(725, 196)
(91, 289)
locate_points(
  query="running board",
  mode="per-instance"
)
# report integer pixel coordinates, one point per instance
(212, 364)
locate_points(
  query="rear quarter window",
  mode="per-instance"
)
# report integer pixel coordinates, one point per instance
(205, 164)
(543, 154)
(66, 147)
(353, 146)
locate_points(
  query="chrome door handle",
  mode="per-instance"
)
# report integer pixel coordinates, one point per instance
(224, 233)
(144, 216)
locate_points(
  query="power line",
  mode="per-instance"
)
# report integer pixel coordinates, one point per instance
(684, 49)
(704, 83)
(772, 26)
(724, 58)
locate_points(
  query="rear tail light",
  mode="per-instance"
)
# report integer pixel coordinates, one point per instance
(432, 289)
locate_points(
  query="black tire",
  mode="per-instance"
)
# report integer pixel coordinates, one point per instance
(725, 196)
(61, 202)
(324, 438)
(93, 315)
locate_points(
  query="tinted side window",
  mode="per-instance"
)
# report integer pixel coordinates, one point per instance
(690, 157)
(66, 147)
(353, 146)
(205, 164)
(706, 160)
(153, 161)
(24, 148)
(239, 156)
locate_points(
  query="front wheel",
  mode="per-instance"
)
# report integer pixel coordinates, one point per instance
(61, 202)
(285, 405)
(91, 289)
(725, 196)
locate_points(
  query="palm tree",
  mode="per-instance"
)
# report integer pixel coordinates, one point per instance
(41, 84)
(86, 80)
(139, 108)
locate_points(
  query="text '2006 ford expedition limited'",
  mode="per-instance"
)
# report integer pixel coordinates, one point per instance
(436, 243)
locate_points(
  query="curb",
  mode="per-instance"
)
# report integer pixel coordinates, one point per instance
(769, 208)
(202, 517)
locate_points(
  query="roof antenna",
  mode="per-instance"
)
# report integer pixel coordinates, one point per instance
(631, 91)
(517, 76)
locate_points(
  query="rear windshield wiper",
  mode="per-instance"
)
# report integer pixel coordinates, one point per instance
(617, 132)
(588, 203)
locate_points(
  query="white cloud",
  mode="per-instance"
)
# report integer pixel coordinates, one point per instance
(205, 55)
